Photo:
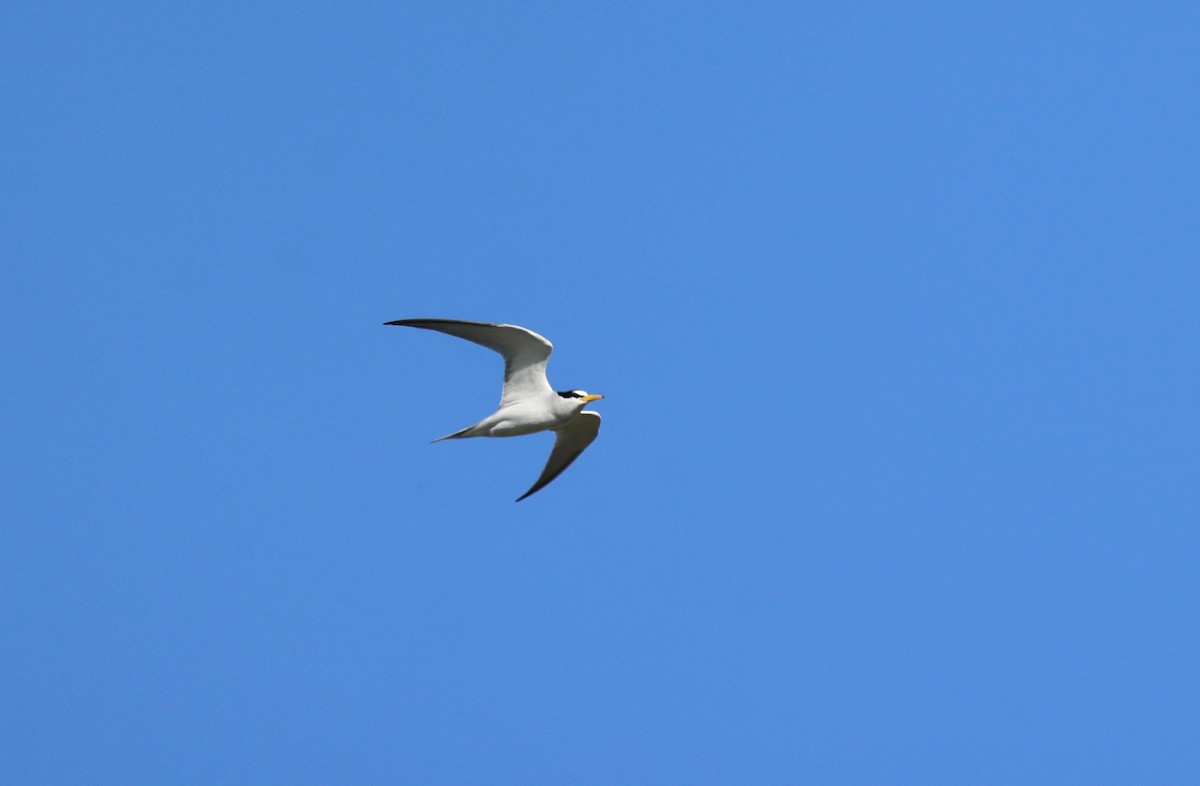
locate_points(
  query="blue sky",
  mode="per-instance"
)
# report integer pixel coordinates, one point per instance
(895, 314)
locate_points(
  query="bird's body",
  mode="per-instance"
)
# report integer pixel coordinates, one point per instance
(522, 417)
(527, 403)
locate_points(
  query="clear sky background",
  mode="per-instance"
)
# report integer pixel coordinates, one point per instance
(895, 312)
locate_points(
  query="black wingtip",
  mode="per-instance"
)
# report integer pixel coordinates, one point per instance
(533, 490)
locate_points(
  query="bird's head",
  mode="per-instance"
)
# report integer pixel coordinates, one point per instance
(580, 396)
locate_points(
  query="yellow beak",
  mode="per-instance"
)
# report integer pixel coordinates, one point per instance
(586, 399)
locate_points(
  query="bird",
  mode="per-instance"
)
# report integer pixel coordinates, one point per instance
(528, 404)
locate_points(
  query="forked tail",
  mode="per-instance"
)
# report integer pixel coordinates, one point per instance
(461, 433)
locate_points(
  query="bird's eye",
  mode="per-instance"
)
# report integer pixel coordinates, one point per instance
(568, 393)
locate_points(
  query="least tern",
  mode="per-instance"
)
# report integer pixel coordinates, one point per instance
(527, 403)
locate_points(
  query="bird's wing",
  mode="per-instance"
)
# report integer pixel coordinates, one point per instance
(525, 352)
(570, 440)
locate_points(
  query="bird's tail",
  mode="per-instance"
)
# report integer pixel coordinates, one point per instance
(460, 434)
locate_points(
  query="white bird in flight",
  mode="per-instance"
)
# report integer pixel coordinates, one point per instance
(527, 404)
